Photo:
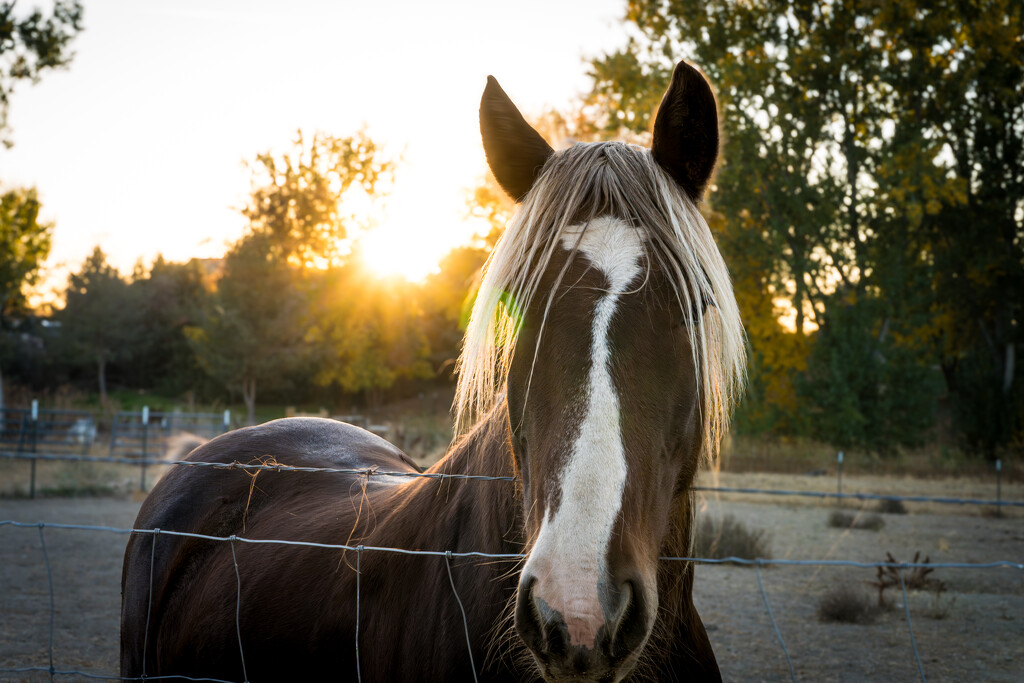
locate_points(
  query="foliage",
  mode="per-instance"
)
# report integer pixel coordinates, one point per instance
(847, 605)
(100, 319)
(24, 245)
(31, 44)
(251, 333)
(874, 159)
(369, 333)
(726, 536)
(844, 520)
(297, 197)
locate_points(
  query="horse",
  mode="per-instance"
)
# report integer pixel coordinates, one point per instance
(598, 370)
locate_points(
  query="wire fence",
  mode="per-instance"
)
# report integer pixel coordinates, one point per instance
(998, 502)
(758, 563)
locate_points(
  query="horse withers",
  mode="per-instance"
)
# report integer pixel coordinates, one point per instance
(597, 374)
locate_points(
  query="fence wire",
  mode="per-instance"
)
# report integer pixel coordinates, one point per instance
(376, 472)
(448, 555)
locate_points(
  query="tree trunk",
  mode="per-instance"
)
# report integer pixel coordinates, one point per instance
(249, 396)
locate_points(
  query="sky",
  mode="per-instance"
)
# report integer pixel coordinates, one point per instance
(140, 146)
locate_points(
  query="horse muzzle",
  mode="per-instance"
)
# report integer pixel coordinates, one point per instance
(584, 640)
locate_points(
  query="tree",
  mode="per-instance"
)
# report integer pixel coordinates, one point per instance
(297, 198)
(368, 332)
(32, 44)
(251, 334)
(24, 245)
(873, 160)
(171, 296)
(100, 318)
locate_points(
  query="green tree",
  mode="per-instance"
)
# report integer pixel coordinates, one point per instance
(368, 333)
(31, 44)
(297, 199)
(171, 296)
(873, 160)
(100, 318)
(251, 333)
(24, 245)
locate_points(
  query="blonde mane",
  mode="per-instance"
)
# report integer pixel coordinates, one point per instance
(587, 181)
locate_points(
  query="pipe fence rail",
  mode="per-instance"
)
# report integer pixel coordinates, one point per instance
(758, 563)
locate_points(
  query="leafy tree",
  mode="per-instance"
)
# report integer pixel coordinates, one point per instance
(297, 198)
(100, 318)
(369, 332)
(24, 245)
(873, 160)
(251, 334)
(32, 44)
(171, 296)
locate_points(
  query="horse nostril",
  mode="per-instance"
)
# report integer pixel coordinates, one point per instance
(527, 618)
(631, 627)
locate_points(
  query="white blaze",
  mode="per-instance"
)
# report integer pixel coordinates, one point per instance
(568, 558)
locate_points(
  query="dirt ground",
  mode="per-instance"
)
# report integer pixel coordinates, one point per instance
(973, 631)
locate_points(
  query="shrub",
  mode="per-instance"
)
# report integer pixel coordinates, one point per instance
(847, 605)
(844, 520)
(718, 538)
(892, 506)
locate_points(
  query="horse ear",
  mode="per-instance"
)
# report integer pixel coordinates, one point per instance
(515, 151)
(686, 130)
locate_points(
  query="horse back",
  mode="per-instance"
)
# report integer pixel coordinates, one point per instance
(158, 569)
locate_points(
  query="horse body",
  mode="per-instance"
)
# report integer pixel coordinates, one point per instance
(297, 617)
(595, 392)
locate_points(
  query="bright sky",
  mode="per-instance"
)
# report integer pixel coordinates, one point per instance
(139, 146)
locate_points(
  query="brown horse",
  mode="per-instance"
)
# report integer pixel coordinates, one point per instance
(597, 373)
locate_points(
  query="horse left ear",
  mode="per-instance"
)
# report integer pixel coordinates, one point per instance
(515, 152)
(686, 131)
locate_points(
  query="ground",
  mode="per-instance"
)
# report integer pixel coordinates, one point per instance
(973, 631)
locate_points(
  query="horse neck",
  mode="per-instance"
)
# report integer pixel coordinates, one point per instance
(473, 514)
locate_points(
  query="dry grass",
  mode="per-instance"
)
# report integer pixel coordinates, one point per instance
(719, 538)
(846, 520)
(847, 605)
(892, 506)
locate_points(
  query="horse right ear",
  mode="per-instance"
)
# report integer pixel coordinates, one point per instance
(515, 152)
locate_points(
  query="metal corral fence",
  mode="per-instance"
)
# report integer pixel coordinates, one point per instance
(53, 671)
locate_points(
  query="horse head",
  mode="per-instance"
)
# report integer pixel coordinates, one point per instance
(607, 319)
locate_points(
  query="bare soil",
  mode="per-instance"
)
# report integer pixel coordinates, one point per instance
(973, 630)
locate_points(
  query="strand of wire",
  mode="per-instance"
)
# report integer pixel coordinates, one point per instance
(107, 677)
(368, 472)
(359, 574)
(465, 622)
(519, 556)
(910, 626)
(778, 634)
(49, 582)
(362, 472)
(238, 606)
(149, 606)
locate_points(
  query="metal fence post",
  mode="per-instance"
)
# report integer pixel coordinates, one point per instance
(999, 485)
(145, 429)
(227, 421)
(35, 427)
(839, 480)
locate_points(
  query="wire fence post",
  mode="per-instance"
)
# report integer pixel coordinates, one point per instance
(839, 479)
(34, 439)
(145, 429)
(227, 421)
(999, 485)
